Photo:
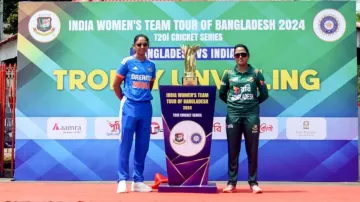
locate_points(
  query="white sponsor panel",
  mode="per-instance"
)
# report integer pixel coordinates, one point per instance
(31, 128)
(157, 129)
(304, 128)
(219, 128)
(187, 138)
(107, 128)
(66, 128)
(269, 128)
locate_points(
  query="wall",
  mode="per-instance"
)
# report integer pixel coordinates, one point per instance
(1, 19)
(8, 50)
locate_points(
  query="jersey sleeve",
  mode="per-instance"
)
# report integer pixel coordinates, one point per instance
(123, 69)
(153, 73)
(263, 91)
(224, 87)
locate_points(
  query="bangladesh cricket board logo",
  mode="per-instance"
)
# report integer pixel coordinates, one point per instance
(44, 26)
(179, 138)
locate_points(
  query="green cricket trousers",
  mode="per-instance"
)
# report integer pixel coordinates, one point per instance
(236, 127)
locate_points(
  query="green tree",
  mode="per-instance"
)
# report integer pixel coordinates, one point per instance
(357, 17)
(11, 16)
(12, 21)
(9, 7)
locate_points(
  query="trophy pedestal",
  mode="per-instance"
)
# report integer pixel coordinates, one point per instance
(190, 81)
(210, 188)
(188, 140)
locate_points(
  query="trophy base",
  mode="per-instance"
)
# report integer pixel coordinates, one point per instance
(210, 188)
(190, 81)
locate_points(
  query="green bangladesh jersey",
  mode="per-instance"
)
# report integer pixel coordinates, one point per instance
(243, 92)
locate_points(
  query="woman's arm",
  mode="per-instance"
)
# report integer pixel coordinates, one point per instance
(262, 88)
(224, 87)
(119, 78)
(153, 77)
(116, 85)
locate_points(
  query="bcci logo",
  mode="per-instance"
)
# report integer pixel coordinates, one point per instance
(329, 25)
(196, 138)
(44, 26)
(179, 138)
(185, 142)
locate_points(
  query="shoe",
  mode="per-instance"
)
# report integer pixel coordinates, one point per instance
(121, 187)
(140, 187)
(256, 189)
(229, 189)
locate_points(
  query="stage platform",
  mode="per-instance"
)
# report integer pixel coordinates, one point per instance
(106, 191)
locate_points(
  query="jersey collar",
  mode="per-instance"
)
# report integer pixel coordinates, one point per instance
(139, 60)
(249, 70)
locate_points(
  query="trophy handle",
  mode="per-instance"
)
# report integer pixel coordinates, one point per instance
(190, 78)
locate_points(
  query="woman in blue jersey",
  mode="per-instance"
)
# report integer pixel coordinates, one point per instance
(138, 74)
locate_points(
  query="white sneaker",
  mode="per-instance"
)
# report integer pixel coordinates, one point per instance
(121, 187)
(140, 187)
(229, 189)
(256, 189)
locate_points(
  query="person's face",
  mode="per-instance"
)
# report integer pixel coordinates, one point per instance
(141, 46)
(241, 56)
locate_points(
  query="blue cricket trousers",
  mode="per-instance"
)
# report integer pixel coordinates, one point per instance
(135, 118)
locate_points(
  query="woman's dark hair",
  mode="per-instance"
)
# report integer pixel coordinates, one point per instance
(141, 35)
(242, 46)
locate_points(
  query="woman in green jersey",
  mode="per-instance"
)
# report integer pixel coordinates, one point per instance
(243, 89)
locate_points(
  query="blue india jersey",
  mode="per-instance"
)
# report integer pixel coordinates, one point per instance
(137, 76)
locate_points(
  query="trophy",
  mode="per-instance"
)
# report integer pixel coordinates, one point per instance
(189, 78)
